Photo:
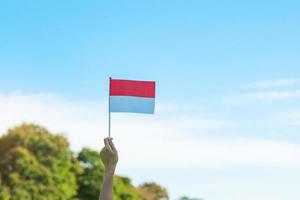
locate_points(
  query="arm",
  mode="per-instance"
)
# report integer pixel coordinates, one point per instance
(109, 157)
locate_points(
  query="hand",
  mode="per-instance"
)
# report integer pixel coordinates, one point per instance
(109, 154)
(109, 157)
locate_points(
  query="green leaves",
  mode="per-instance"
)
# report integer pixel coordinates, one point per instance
(90, 180)
(153, 191)
(38, 165)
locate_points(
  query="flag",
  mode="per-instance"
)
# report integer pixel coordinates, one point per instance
(132, 96)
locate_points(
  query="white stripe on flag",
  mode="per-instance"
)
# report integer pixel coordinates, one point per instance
(132, 104)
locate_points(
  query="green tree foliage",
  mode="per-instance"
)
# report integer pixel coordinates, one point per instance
(187, 198)
(37, 165)
(124, 190)
(153, 191)
(91, 179)
(4, 192)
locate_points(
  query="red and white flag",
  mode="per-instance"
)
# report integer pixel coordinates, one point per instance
(132, 96)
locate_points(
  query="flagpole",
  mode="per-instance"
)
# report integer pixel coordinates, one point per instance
(109, 108)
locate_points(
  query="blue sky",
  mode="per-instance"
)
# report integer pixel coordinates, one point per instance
(72, 48)
(228, 70)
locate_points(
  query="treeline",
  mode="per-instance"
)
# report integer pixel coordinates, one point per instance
(38, 165)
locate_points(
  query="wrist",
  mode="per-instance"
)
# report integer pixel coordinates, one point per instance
(110, 170)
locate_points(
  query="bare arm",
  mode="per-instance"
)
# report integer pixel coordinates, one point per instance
(109, 157)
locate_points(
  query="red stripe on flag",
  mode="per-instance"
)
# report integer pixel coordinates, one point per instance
(132, 88)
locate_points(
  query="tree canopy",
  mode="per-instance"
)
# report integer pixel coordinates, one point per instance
(35, 164)
(91, 179)
(38, 165)
(188, 198)
(153, 191)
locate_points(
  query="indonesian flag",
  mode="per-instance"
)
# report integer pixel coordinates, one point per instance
(132, 96)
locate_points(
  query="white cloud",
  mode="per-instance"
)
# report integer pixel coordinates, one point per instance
(273, 83)
(287, 119)
(292, 119)
(273, 95)
(145, 141)
(265, 91)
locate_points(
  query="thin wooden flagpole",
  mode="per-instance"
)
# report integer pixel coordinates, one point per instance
(109, 108)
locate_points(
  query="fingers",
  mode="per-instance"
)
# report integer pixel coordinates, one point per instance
(102, 150)
(107, 145)
(112, 146)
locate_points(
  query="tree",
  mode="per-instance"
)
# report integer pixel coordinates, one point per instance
(4, 192)
(36, 164)
(153, 191)
(187, 198)
(90, 180)
(124, 190)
